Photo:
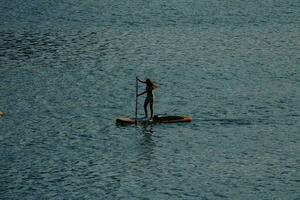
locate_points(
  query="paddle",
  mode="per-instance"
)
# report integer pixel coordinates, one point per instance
(136, 98)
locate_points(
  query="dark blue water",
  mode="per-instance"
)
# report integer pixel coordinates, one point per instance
(67, 71)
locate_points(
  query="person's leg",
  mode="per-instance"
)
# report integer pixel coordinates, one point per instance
(145, 107)
(151, 108)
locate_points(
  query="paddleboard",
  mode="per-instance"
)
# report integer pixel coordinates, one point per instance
(156, 119)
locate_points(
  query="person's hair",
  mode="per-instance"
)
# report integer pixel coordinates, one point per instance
(149, 82)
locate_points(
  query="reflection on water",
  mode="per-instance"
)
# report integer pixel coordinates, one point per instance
(148, 129)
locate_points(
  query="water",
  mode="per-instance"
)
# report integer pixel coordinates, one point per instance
(67, 70)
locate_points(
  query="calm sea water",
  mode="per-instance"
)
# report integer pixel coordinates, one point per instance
(67, 71)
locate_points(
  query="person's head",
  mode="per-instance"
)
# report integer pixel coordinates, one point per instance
(148, 82)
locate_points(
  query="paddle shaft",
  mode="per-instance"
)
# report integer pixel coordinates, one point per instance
(136, 99)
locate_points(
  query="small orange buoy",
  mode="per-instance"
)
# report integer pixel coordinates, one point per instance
(1, 114)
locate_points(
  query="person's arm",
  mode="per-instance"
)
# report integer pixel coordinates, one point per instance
(141, 93)
(140, 80)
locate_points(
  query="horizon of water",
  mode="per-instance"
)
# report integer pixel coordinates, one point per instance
(67, 71)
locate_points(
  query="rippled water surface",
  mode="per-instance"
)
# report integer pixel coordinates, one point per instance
(67, 71)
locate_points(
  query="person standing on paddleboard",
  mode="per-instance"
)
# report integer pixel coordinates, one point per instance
(150, 97)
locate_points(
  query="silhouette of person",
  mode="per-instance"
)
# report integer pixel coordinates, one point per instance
(150, 97)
